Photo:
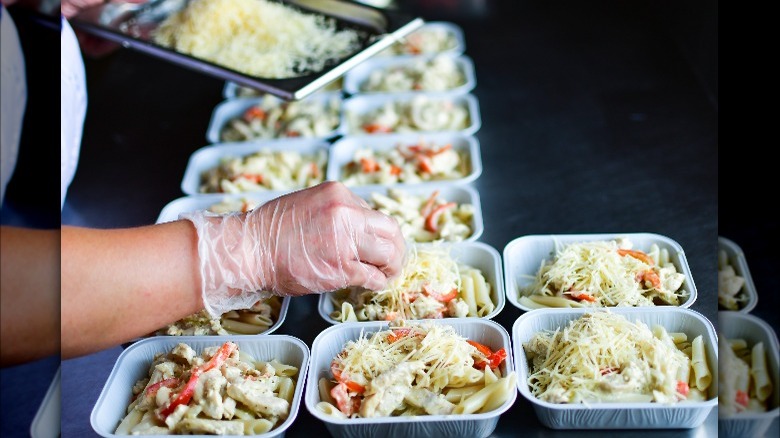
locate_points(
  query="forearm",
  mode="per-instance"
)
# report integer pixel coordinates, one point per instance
(124, 283)
(30, 298)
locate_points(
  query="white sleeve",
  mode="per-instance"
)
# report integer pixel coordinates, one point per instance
(73, 104)
(13, 97)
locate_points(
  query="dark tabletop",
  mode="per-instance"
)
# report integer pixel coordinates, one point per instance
(596, 117)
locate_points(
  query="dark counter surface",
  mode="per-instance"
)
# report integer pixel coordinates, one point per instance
(593, 120)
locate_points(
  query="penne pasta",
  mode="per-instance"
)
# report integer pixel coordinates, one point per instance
(701, 371)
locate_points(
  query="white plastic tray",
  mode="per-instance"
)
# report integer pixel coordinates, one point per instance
(330, 342)
(523, 257)
(355, 78)
(686, 415)
(451, 28)
(189, 203)
(231, 89)
(133, 364)
(752, 329)
(738, 261)
(362, 104)
(46, 423)
(343, 151)
(209, 157)
(475, 254)
(453, 193)
(229, 109)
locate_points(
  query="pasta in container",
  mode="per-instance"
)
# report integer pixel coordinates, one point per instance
(745, 383)
(432, 284)
(736, 290)
(420, 113)
(603, 357)
(408, 162)
(438, 73)
(426, 219)
(267, 169)
(415, 369)
(220, 390)
(260, 318)
(431, 38)
(269, 117)
(605, 273)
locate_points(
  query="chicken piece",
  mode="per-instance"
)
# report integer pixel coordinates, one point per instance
(387, 391)
(434, 404)
(259, 397)
(201, 426)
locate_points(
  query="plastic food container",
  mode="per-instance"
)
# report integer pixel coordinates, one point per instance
(46, 422)
(204, 201)
(752, 329)
(452, 193)
(343, 151)
(230, 109)
(359, 106)
(618, 415)
(451, 29)
(233, 89)
(133, 364)
(208, 157)
(355, 78)
(524, 255)
(331, 341)
(738, 261)
(475, 254)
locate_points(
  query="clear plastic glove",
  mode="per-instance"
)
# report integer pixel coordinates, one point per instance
(315, 240)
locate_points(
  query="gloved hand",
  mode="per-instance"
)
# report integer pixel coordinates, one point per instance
(315, 240)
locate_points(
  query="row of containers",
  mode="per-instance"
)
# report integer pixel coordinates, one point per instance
(399, 130)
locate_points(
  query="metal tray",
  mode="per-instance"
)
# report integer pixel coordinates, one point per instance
(132, 24)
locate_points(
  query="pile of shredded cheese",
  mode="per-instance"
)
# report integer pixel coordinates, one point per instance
(448, 357)
(257, 37)
(603, 357)
(609, 273)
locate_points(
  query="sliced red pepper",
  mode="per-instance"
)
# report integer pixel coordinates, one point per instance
(651, 276)
(315, 170)
(185, 395)
(484, 349)
(369, 165)
(494, 359)
(582, 296)
(255, 177)
(742, 398)
(432, 220)
(424, 163)
(683, 388)
(426, 209)
(168, 383)
(398, 334)
(293, 134)
(376, 127)
(346, 404)
(355, 387)
(254, 112)
(395, 170)
(443, 298)
(639, 255)
(431, 152)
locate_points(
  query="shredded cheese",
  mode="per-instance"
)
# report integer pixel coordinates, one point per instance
(604, 357)
(257, 37)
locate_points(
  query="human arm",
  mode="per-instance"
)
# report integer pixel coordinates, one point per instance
(30, 298)
(123, 283)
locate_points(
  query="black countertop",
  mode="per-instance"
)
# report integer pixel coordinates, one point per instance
(595, 118)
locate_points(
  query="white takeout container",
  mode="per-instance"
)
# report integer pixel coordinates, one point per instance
(450, 28)
(635, 415)
(330, 342)
(360, 105)
(204, 201)
(738, 261)
(233, 89)
(208, 157)
(460, 194)
(524, 255)
(478, 255)
(230, 109)
(133, 364)
(46, 422)
(355, 78)
(733, 325)
(343, 151)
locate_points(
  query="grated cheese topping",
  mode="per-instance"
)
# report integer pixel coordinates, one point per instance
(256, 37)
(609, 273)
(604, 357)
